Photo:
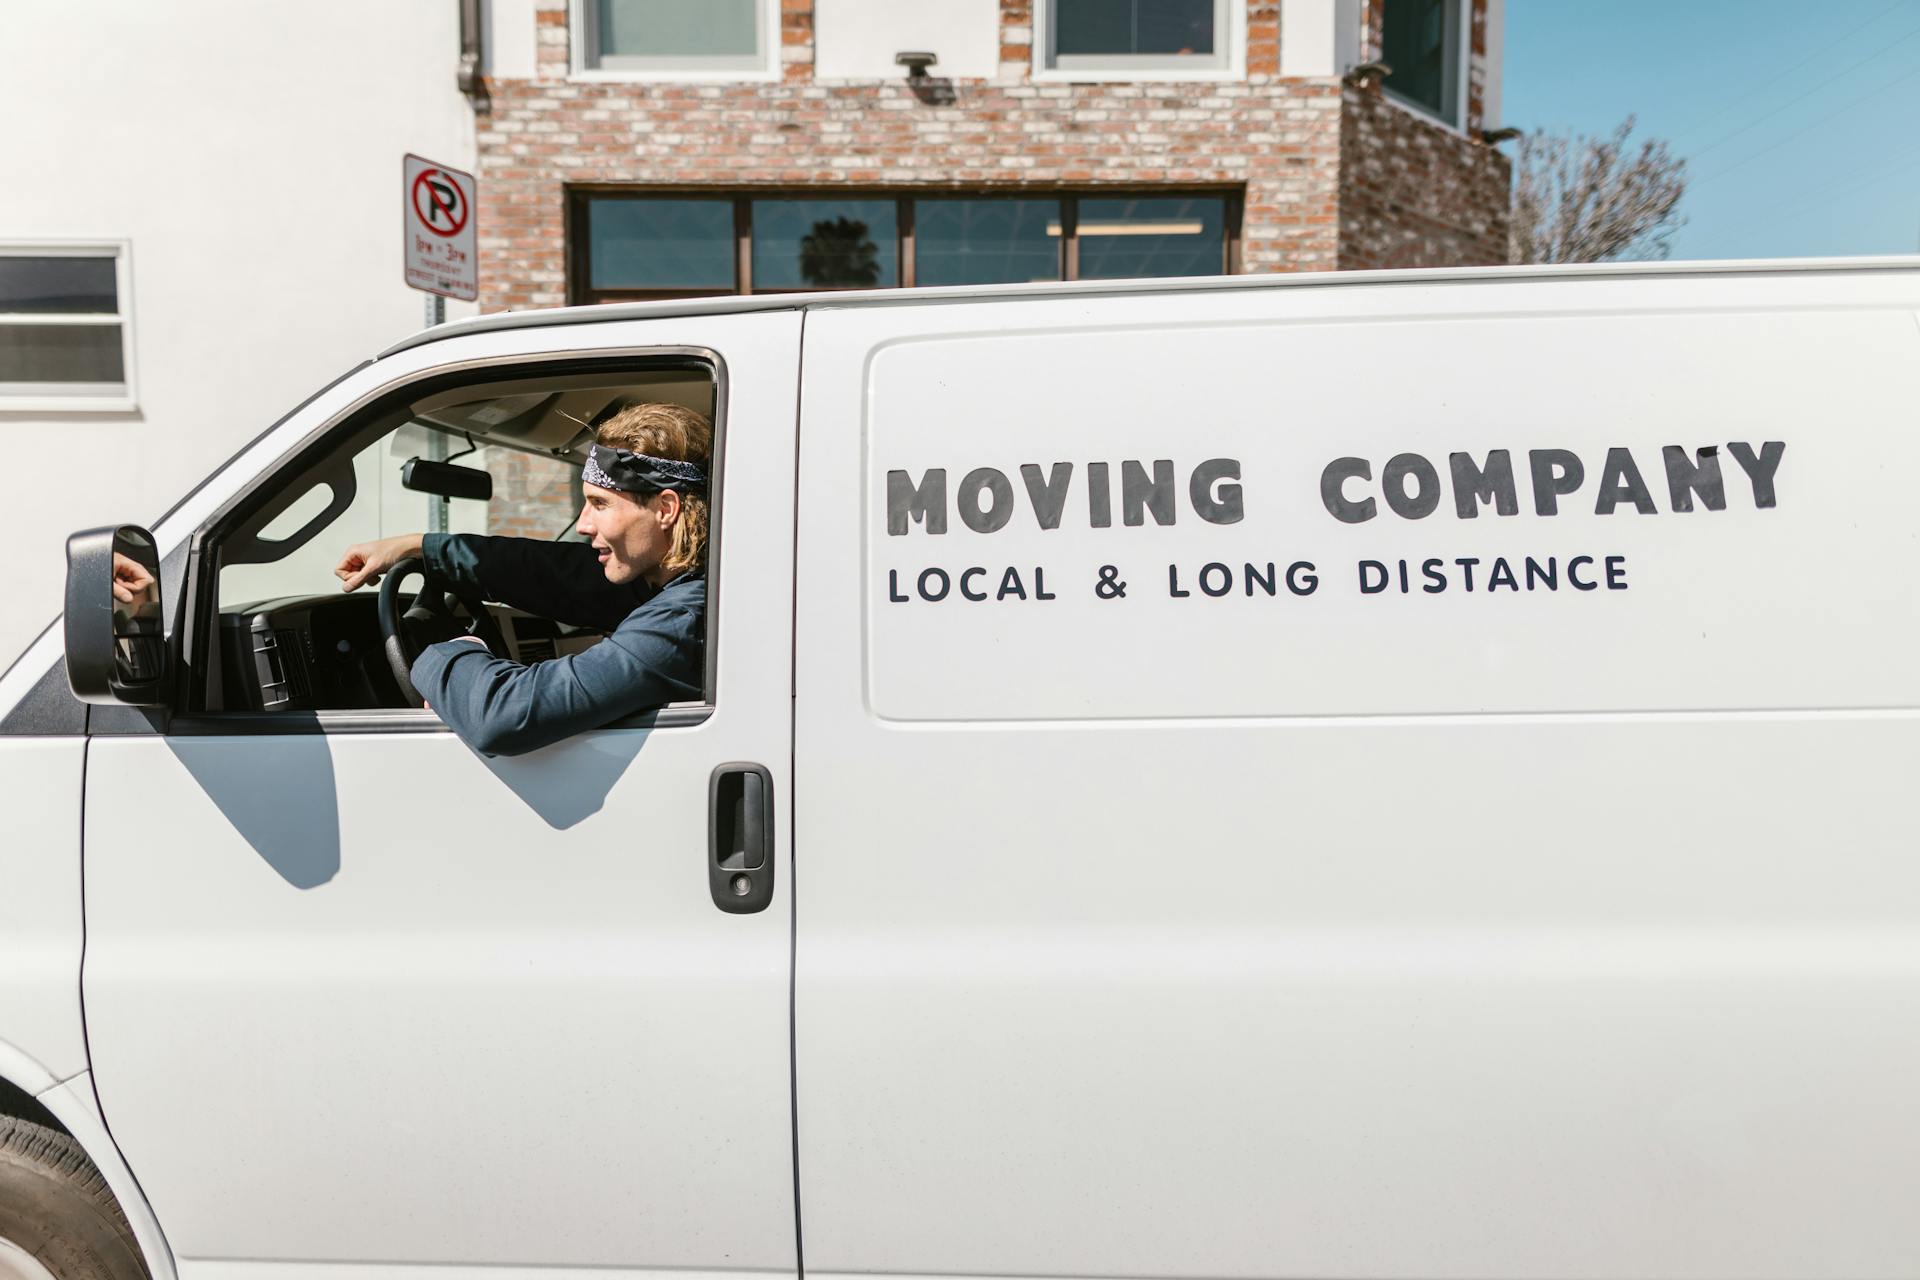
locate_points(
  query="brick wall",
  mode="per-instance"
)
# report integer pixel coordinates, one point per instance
(1477, 68)
(1413, 194)
(1329, 179)
(533, 497)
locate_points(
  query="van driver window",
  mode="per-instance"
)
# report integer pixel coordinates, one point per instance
(525, 559)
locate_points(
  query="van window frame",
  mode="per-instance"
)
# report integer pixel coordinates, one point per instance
(199, 606)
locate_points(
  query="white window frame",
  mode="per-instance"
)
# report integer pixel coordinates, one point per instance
(685, 70)
(77, 397)
(1227, 62)
(1462, 74)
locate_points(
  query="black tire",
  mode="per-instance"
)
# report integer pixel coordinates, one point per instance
(55, 1206)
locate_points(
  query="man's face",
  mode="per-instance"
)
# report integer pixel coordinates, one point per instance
(631, 534)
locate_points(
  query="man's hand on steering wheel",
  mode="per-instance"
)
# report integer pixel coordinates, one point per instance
(430, 611)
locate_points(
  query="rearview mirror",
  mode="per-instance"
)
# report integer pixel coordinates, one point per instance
(446, 480)
(116, 649)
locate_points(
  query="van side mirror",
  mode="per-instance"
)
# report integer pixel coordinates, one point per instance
(116, 648)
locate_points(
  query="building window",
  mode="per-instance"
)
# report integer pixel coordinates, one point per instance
(678, 39)
(985, 240)
(1420, 40)
(1145, 38)
(627, 247)
(1154, 236)
(65, 336)
(824, 244)
(680, 248)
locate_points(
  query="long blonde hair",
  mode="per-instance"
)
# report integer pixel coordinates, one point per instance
(679, 434)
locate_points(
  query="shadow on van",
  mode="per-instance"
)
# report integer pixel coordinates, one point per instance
(286, 804)
(568, 782)
(283, 801)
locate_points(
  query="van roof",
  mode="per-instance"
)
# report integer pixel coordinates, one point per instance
(601, 313)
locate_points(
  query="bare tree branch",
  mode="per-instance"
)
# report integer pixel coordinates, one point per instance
(1587, 199)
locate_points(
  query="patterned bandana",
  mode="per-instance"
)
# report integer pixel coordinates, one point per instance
(631, 472)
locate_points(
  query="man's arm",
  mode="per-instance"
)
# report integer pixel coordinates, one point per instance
(558, 580)
(502, 708)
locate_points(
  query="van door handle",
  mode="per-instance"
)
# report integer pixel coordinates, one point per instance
(740, 838)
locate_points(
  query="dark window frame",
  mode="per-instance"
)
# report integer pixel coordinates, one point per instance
(578, 198)
(1451, 110)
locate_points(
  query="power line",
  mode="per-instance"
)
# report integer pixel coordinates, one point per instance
(1815, 123)
(1824, 193)
(1732, 102)
(1824, 197)
(1762, 118)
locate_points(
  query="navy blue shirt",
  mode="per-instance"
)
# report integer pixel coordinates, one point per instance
(654, 655)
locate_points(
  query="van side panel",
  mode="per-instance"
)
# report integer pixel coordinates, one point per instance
(1168, 908)
(40, 885)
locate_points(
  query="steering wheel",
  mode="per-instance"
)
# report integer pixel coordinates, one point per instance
(431, 605)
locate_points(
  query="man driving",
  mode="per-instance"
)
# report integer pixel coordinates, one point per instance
(641, 577)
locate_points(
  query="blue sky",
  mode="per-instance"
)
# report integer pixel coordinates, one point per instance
(1800, 122)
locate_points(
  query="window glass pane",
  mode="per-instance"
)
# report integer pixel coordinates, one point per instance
(61, 353)
(660, 244)
(1414, 42)
(533, 497)
(986, 241)
(1173, 26)
(677, 28)
(825, 244)
(1083, 27)
(1152, 237)
(57, 285)
(381, 508)
(1093, 26)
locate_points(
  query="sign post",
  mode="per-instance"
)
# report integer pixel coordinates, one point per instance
(440, 257)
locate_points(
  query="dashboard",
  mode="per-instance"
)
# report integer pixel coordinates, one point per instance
(325, 652)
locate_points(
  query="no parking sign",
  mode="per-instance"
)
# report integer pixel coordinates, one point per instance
(440, 242)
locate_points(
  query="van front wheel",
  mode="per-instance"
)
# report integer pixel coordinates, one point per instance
(58, 1221)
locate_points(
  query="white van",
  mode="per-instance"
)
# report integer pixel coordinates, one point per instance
(1397, 775)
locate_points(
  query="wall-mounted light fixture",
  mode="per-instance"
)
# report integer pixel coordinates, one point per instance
(916, 64)
(1494, 137)
(1359, 75)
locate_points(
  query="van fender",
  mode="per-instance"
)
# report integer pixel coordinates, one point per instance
(24, 1071)
(73, 1104)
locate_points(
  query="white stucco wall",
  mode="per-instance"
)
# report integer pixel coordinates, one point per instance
(1314, 35)
(250, 152)
(857, 39)
(510, 38)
